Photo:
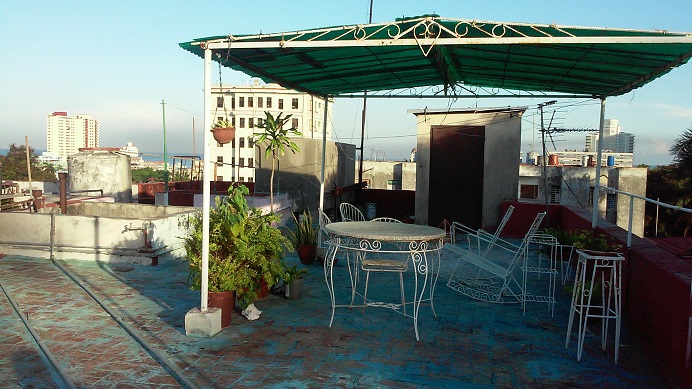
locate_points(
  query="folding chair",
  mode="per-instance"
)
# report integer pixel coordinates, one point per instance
(483, 275)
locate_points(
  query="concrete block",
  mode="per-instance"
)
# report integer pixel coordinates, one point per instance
(203, 324)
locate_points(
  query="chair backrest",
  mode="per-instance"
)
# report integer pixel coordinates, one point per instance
(322, 236)
(385, 219)
(349, 213)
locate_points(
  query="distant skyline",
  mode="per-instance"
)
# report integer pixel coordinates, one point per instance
(117, 61)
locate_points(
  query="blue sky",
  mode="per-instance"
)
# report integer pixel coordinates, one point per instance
(118, 60)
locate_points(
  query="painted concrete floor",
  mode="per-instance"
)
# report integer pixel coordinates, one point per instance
(469, 344)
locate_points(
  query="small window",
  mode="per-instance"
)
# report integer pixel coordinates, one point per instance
(250, 102)
(260, 122)
(241, 161)
(242, 123)
(529, 192)
(219, 160)
(250, 142)
(241, 179)
(554, 195)
(294, 103)
(219, 178)
(250, 179)
(281, 103)
(219, 144)
(611, 201)
(250, 162)
(260, 102)
(219, 102)
(241, 142)
(269, 102)
(251, 123)
(294, 123)
(233, 121)
(241, 101)
(591, 190)
(233, 102)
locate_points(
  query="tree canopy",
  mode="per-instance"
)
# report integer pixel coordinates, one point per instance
(14, 166)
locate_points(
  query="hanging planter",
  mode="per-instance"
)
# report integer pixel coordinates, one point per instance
(223, 131)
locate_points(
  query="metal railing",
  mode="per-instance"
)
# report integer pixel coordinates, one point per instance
(631, 212)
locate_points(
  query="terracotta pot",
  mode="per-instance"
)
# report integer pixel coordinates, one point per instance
(306, 253)
(223, 135)
(263, 290)
(225, 301)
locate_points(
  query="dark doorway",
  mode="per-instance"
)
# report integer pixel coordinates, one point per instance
(456, 175)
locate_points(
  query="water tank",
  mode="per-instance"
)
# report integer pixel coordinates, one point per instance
(100, 168)
(553, 160)
(610, 161)
(531, 157)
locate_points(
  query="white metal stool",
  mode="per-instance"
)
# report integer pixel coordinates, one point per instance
(609, 265)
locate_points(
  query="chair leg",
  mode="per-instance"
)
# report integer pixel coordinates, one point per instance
(401, 284)
(365, 293)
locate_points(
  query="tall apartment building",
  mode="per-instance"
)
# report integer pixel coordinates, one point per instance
(244, 106)
(613, 139)
(66, 135)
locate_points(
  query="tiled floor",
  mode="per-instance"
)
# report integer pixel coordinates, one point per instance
(469, 343)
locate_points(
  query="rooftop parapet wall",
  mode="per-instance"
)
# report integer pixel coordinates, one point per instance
(111, 239)
(125, 210)
(657, 298)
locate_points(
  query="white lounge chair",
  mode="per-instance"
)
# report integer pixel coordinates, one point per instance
(482, 275)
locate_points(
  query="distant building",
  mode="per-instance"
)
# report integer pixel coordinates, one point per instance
(66, 135)
(613, 139)
(244, 106)
(136, 161)
(575, 185)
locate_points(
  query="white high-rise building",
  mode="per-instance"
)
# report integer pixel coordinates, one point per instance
(244, 106)
(613, 139)
(66, 135)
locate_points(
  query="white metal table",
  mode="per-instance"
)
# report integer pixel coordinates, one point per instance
(360, 239)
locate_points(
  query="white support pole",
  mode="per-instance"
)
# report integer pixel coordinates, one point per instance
(324, 151)
(206, 179)
(597, 188)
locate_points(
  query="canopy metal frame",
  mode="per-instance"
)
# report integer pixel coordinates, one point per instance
(429, 56)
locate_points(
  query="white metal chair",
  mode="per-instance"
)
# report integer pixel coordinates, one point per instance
(482, 276)
(459, 228)
(349, 213)
(322, 236)
(385, 219)
(546, 251)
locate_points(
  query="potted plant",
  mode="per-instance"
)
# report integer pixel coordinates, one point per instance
(244, 249)
(590, 241)
(304, 238)
(275, 138)
(293, 282)
(223, 131)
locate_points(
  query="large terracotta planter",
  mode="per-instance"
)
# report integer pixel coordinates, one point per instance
(223, 135)
(306, 253)
(225, 301)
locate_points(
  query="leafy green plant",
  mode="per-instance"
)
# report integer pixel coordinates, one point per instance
(589, 240)
(222, 123)
(305, 232)
(275, 139)
(292, 273)
(244, 248)
(566, 237)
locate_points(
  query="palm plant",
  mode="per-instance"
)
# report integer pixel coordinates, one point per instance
(275, 139)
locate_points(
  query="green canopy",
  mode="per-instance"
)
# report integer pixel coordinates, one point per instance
(434, 56)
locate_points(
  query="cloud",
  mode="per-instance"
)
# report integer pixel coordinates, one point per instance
(674, 110)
